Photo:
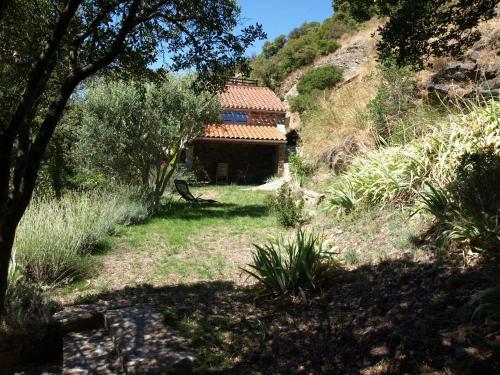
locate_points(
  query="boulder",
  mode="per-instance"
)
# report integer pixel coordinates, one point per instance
(312, 198)
(458, 71)
(491, 84)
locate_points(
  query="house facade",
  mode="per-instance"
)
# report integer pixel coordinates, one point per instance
(251, 142)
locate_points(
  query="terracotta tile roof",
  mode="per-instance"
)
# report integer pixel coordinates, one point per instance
(249, 132)
(251, 97)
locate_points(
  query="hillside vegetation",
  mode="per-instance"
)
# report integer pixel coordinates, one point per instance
(299, 48)
(408, 165)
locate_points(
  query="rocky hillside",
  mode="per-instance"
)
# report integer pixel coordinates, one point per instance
(357, 50)
(477, 74)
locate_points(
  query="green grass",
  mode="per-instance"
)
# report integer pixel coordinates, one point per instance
(186, 243)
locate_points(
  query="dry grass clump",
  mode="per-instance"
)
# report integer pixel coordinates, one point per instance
(339, 129)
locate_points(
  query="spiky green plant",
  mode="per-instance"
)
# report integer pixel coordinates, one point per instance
(342, 202)
(395, 175)
(468, 208)
(487, 306)
(434, 201)
(289, 267)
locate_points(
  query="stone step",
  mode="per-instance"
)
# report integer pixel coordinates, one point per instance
(90, 352)
(145, 345)
(81, 318)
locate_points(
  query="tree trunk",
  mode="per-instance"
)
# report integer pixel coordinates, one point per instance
(7, 233)
(18, 177)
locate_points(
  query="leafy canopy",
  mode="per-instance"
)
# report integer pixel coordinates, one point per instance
(135, 131)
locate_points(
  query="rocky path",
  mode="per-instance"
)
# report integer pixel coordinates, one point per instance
(118, 338)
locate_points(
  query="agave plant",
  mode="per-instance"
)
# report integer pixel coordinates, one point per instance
(288, 267)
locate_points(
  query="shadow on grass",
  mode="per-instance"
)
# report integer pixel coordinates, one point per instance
(199, 211)
(394, 317)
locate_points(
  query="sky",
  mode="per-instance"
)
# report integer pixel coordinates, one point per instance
(281, 16)
(276, 17)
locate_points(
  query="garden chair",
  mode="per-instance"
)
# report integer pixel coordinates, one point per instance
(242, 174)
(183, 189)
(222, 173)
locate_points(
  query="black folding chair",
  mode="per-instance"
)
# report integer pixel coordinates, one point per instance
(183, 189)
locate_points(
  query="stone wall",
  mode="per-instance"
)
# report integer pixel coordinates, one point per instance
(265, 118)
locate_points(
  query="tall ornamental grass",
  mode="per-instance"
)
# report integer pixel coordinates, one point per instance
(396, 174)
(55, 237)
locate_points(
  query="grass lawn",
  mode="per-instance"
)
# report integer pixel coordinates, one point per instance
(186, 243)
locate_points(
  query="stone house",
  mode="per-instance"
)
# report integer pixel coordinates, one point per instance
(250, 144)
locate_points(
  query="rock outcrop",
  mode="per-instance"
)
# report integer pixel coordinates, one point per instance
(478, 74)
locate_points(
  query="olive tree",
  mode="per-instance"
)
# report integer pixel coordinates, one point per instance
(136, 131)
(49, 47)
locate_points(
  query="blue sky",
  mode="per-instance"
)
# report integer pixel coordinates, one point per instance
(281, 16)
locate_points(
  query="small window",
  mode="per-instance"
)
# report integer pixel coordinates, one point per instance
(235, 117)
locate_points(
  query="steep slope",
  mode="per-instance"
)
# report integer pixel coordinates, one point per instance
(357, 49)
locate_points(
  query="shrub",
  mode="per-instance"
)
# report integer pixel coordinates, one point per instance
(337, 26)
(287, 206)
(300, 168)
(486, 306)
(360, 10)
(342, 202)
(55, 236)
(312, 84)
(326, 47)
(292, 266)
(302, 46)
(388, 175)
(435, 201)
(319, 79)
(304, 102)
(29, 308)
(468, 209)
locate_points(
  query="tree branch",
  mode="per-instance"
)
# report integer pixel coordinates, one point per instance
(128, 24)
(40, 72)
(33, 159)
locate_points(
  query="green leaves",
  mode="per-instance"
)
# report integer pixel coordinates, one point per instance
(288, 267)
(287, 206)
(468, 209)
(302, 46)
(135, 132)
(313, 83)
(319, 79)
(418, 30)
